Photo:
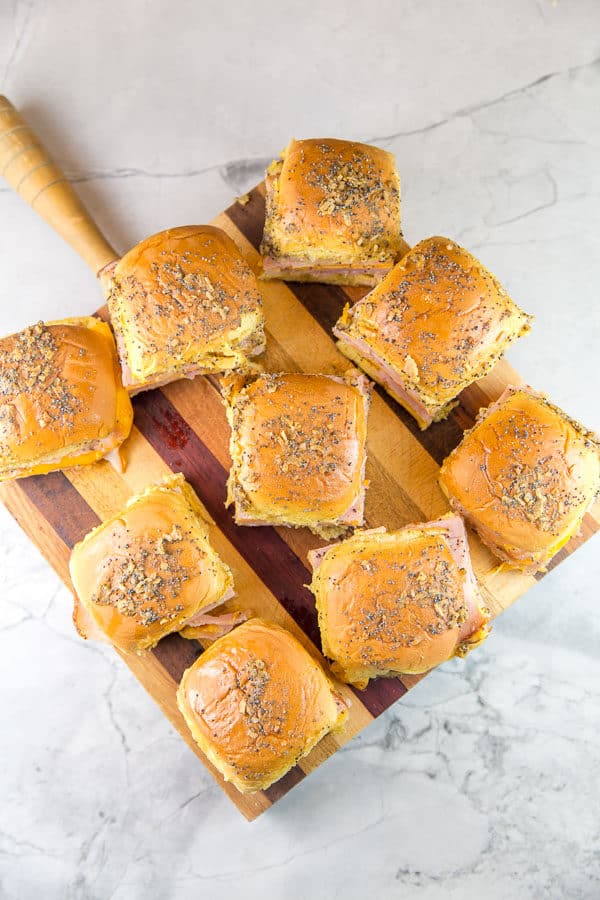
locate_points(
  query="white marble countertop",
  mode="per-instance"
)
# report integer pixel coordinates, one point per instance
(483, 782)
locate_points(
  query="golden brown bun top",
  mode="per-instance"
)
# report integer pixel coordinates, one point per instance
(145, 571)
(258, 699)
(298, 445)
(526, 471)
(439, 318)
(398, 601)
(333, 200)
(178, 295)
(60, 393)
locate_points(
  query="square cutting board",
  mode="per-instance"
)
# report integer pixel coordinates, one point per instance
(182, 428)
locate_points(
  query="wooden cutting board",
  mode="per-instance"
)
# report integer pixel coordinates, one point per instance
(182, 428)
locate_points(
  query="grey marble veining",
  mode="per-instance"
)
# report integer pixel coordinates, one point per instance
(483, 780)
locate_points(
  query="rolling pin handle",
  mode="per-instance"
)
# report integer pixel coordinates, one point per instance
(30, 171)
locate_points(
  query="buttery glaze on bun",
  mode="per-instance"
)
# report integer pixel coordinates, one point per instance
(333, 213)
(184, 302)
(298, 450)
(61, 398)
(436, 323)
(149, 570)
(523, 477)
(397, 603)
(256, 702)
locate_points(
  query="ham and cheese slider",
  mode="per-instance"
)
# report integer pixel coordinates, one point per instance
(298, 450)
(523, 477)
(436, 323)
(394, 603)
(333, 213)
(61, 398)
(184, 302)
(256, 702)
(150, 570)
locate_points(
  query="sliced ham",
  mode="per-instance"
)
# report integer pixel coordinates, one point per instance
(201, 617)
(473, 629)
(200, 625)
(315, 557)
(454, 528)
(158, 381)
(275, 267)
(356, 513)
(85, 625)
(254, 345)
(204, 627)
(360, 352)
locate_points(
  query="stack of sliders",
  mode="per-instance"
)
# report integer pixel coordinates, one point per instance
(184, 303)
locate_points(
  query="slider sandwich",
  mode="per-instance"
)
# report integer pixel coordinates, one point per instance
(298, 450)
(523, 477)
(332, 213)
(438, 322)
(256, 702)
(184, 302)
(394, 603)
(150, 570)
(61, 398)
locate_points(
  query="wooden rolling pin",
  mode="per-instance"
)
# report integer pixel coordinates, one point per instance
(31, 172)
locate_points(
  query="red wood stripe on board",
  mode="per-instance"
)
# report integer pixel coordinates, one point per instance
(176, 654)
(60, 504)
(325, 303)
(267, 553)
(380, 694)
(285, 784)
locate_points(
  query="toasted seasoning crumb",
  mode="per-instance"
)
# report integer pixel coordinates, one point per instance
(145, 582)
(32, 366)
(411, 368)
(263, 717)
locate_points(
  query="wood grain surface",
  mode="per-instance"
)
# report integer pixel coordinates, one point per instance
(182, 428)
